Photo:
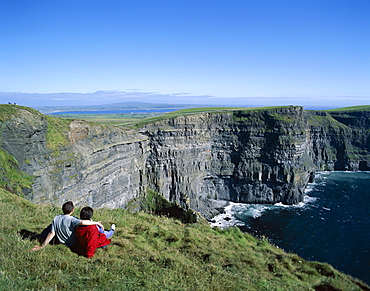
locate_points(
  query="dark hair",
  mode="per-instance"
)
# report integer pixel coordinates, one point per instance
(68, 207)
(86, 213)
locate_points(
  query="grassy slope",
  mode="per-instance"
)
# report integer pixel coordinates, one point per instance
(192, 111)
(352, 108)
(111, 119)
(137, 120)
(134, 121)
(152, 253)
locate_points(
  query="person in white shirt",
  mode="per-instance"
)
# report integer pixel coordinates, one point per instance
(63, 227)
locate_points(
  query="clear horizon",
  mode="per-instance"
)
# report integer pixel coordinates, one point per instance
(203, 52)
(116, 97)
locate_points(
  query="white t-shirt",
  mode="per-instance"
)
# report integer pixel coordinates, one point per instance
(64, 228)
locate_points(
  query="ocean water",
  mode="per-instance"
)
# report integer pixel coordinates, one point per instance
(332, 224)
(112, 111)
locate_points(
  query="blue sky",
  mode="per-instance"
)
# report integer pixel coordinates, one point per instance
(299, 51)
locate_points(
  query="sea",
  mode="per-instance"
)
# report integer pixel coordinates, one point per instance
(331, 225)
(119, 111)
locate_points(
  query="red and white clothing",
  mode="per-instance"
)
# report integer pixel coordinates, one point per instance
(90, 239)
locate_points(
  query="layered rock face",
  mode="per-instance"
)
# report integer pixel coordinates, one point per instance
(340, 140)
(98, 166)
(251, 156)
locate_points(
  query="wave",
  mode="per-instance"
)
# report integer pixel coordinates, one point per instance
(237, 214)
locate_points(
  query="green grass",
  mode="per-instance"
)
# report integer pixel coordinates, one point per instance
(152, 253)
(124, 119)
(193, 111)
(57, 132)
(134, 121)
(326, 120)
(352, 108)
(11, 177)
(8, 111)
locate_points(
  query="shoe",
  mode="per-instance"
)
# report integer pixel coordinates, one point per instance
(113, 227)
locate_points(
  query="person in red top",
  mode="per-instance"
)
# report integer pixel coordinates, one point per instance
(92, 237)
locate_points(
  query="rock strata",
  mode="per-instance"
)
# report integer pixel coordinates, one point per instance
(198, 161)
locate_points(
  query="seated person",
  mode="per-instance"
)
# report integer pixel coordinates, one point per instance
(92, 237)
(62, 228)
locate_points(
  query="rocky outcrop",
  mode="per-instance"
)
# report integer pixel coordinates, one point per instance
(249, 156)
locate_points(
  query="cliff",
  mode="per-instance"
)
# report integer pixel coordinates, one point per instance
(250, 156)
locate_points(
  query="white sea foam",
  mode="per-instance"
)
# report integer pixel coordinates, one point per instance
(227, 219)
(307, 202)
(310, 187)
(237, 213)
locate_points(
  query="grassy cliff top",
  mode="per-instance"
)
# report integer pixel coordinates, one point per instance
(201, 110)
(8, 111)
(152, 253)
(221, 109)
(351, 108)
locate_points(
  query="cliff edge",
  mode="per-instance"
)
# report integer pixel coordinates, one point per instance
(258, 155)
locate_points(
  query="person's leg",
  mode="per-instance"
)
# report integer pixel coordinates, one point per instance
(101, 230)
(108, 233)
(77, 249)
(26, 234)
(42, 236)
(45, 232)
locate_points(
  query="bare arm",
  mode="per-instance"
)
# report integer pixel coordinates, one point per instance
(89, 222)
(47, 240)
